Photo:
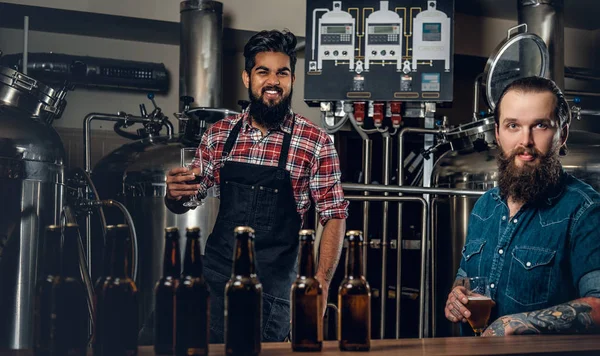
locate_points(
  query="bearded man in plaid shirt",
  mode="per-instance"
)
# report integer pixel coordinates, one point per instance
(266, 163)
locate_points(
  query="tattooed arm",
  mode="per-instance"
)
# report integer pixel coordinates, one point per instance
(330, 249)
(577, 316)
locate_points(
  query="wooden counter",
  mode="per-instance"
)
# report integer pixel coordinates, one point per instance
(512, 345)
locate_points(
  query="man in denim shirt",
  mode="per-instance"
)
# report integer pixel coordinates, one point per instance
(536, 236)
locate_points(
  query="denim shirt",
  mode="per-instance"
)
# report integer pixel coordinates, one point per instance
(544, 255)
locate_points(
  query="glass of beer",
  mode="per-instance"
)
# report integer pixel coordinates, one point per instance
(480, 303)
(189, 161)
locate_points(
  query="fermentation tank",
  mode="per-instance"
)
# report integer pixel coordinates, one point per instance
(31, 187)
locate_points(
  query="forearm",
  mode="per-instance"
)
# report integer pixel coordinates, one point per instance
(330, 249)
(577, 316)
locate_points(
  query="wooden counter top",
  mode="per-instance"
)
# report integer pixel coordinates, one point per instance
(511, 345)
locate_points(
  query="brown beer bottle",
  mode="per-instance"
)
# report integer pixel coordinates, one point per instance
(306, 294)
(192, 301)
(164, 292)
(354, 300)
(243, 298)
(119, 300)
(43, 336)
(105, 277)
(70, 300)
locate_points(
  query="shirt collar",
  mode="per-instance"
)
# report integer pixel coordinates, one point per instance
(285, 126)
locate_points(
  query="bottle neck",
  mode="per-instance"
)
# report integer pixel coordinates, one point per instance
(70, 253)
(119, 260)
(171, 260)
(243, 263)
(52, 251)
(307, 260)
(354, 259)
(192, 263)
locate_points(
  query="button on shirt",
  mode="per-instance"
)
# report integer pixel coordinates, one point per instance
(545, 255)
(312, 161)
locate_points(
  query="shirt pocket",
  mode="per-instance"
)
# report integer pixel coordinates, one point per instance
(529, 275)
(264, 214)
(472, 252)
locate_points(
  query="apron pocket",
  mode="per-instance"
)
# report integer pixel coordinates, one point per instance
(216, 281)
(265, 208)
(276, 314)
(239, 197)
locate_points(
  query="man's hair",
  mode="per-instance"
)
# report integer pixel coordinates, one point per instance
(270, 41)
(539, 85)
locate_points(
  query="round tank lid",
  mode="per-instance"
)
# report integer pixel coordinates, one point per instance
(518, 56)
(201, 5)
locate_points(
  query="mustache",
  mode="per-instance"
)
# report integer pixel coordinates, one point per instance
(520, 150)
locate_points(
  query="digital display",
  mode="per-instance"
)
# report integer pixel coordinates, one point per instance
(382, 29)
(336, 29)
(432, 31)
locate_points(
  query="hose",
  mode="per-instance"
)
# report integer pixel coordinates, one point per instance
(128, 135)
(91, 185)
(134, 252)
(331, 129)
(358, 129)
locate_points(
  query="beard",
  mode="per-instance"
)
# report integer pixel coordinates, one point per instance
(269, 115)
(530, 183)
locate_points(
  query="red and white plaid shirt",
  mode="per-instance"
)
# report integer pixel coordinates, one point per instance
(312, 160)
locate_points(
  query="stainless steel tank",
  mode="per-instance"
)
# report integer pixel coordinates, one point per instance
(135, 174)
(31, 186)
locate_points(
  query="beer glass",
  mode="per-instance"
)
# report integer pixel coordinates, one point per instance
(480, 302)
(188, 160)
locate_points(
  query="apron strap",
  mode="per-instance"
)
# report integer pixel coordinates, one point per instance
(285, 147)
(232, 138)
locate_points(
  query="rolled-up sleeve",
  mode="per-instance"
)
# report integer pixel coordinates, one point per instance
(325, 183)
(585, 247)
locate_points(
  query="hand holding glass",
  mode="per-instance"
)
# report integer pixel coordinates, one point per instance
(480, 302)
(188, 155)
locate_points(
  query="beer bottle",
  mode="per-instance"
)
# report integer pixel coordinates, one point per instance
(307, 305)
(119, 303)
(70, 300)
(354, 300)
(164, 310)
(43, 336)
(105, 277)
(192, 301)
(243, 298)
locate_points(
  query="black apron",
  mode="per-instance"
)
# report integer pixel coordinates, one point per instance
(260, 197)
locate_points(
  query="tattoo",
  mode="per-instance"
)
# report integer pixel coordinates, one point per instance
(575, 316)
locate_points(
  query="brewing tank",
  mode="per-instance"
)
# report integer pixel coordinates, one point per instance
(31, 186)
(478, 170)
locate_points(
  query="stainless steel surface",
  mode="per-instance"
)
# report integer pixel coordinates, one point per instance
(463, 137)
(387, 162)
(476, 85)
(31, 97)
(432, 225)
(545, 18)
(31, 186)
(25, 43)
(367, 161)
(518, 56)
(200, 63)
(424, 220)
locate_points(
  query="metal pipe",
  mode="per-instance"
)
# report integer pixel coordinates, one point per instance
(590, 112)
(424, 219)
(545, 18)
(25, 43)
(367, 160)
(200, 52)
(433, 234)
(411, 190)
(387, 147)
(476, 86)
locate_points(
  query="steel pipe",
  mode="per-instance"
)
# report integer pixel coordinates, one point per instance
(367, 160)
(376, 188)
(387, 148)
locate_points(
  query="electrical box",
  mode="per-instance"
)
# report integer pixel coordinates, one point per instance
(396, 50)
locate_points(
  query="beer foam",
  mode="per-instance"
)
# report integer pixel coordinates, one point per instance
(479, 298)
